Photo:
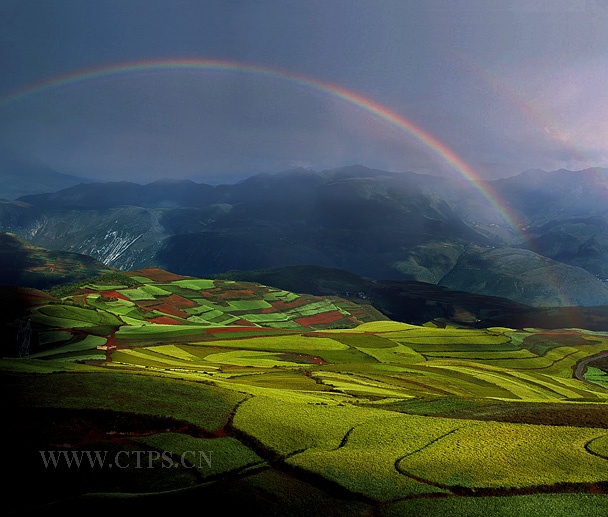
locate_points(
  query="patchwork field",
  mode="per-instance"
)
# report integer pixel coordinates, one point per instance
(298, 404)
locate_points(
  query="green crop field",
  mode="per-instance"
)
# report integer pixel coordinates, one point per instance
(371, 452)
(136, 294)
(372, 418)
(493, 454)
(65, 316)
(212, 457)
(284, 343)
(195, 284)
(89, 342)
(597, 376)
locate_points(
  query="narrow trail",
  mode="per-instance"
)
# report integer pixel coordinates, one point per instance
(581, 366)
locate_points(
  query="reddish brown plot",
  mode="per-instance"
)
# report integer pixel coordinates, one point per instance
(178, 301)
(158, 275)
(320, 319)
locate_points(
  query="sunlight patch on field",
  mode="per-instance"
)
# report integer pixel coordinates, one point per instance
(496, 454)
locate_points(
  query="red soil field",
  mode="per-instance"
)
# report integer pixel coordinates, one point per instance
(113, 294)
(282, 306)
(158, 275)
(234, 294)
(320, 319)
(80, 299)
(170, 310)
(178, 301)
(28, 297)
(147, 305)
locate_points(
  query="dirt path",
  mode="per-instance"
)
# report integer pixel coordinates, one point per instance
(579, 372)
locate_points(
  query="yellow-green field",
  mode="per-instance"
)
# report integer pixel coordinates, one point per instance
(374, 418)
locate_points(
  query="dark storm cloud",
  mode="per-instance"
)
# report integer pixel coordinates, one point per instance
(506, 85)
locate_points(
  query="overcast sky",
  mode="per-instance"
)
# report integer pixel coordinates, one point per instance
(505, 85)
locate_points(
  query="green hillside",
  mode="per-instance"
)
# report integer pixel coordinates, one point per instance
(271, 402)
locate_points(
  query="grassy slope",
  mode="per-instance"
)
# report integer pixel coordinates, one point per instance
(353, 419)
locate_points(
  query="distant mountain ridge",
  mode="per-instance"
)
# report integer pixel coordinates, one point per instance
(377, 224)
(161, 193)
(20, 177)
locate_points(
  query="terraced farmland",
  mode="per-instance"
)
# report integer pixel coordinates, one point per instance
(219, 303)
(304, 395)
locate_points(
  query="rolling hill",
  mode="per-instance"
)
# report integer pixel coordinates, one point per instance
(267, 401)
(419, 302)
(25, 265)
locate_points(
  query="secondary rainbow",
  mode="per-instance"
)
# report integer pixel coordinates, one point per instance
(437, 148)
(534, 112)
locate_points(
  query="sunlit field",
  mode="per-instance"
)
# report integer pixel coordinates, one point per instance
(361, 414)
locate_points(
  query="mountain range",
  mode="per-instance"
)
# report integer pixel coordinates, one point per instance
(22, 177)
(372, 223)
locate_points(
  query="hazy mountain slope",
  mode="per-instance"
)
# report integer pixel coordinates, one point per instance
(399, 226)
(354, 218)
(526, 277)
(581, 242)
(565, 212)
(413, 302)
(23, 264)
(342, 225)
(161, 193)
(20, 177)
(125, 238)
(410, 302)
(542, 197)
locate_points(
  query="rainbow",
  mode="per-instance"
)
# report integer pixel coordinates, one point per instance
(418, 134)
(437, 148)
(531, 111)
(537, 116)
